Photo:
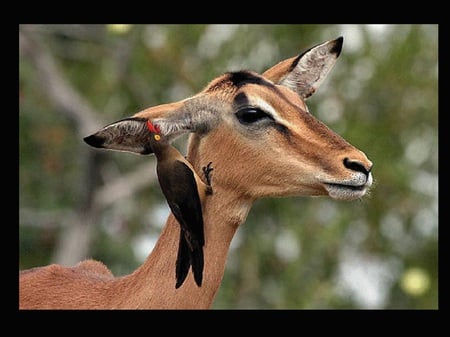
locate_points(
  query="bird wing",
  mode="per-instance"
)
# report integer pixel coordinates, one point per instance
(181, 192)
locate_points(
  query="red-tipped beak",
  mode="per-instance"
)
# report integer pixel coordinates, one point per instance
(153, 128)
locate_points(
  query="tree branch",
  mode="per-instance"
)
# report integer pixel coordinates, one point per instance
(125, 186)
(73, 245)
(60, 92)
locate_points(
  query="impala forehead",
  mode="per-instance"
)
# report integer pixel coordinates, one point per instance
(236, 80)
(292, 97)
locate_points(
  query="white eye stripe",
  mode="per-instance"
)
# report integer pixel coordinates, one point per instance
(266, 107)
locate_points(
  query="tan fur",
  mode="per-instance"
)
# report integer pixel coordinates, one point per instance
(295, 155)
(279, 71)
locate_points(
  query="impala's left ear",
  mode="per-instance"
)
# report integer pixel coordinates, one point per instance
(304, 73)
(129, 134)
(132, 134)
(172, 119)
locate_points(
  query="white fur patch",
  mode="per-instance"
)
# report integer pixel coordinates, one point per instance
(268, 108)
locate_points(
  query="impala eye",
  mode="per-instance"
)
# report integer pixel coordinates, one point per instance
(251, 115)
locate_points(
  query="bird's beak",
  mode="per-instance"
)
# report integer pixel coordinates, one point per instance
(153, 128)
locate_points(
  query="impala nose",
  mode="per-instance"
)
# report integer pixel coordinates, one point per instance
(357, 165)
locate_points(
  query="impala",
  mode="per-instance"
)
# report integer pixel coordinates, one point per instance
(262, 141)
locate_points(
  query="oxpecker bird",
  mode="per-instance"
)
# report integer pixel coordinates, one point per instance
(185, 193)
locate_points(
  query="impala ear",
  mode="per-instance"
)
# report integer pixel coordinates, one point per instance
(130, 135)
(304, 73)
(173, 119)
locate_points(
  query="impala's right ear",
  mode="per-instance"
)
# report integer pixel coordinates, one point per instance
(304, 73)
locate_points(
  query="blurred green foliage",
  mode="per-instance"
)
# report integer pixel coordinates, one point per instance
(382, 96)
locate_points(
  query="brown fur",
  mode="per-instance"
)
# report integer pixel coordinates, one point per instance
(301, 159)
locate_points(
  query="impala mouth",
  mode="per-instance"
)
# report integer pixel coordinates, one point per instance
(345, 186)
(347, 191)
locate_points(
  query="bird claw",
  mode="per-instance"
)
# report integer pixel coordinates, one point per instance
(207, 172)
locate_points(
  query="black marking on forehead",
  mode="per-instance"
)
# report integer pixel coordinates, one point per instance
(236, 80)
(241, 78)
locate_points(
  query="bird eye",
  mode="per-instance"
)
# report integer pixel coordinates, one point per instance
(251, 115)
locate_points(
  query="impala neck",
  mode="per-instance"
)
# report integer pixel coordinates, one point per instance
(153, 284)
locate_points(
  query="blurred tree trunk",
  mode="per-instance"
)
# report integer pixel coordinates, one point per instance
(74, 241)
(92, 197)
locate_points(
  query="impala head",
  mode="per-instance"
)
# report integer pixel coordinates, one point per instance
(257, 131)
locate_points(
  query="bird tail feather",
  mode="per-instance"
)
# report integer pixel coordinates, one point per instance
(187, 257)
(183, 261)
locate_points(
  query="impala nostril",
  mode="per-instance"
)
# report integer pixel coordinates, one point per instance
(356, 165)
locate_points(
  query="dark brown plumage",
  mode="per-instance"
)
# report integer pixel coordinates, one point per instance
(181, 186)
(184, 192)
